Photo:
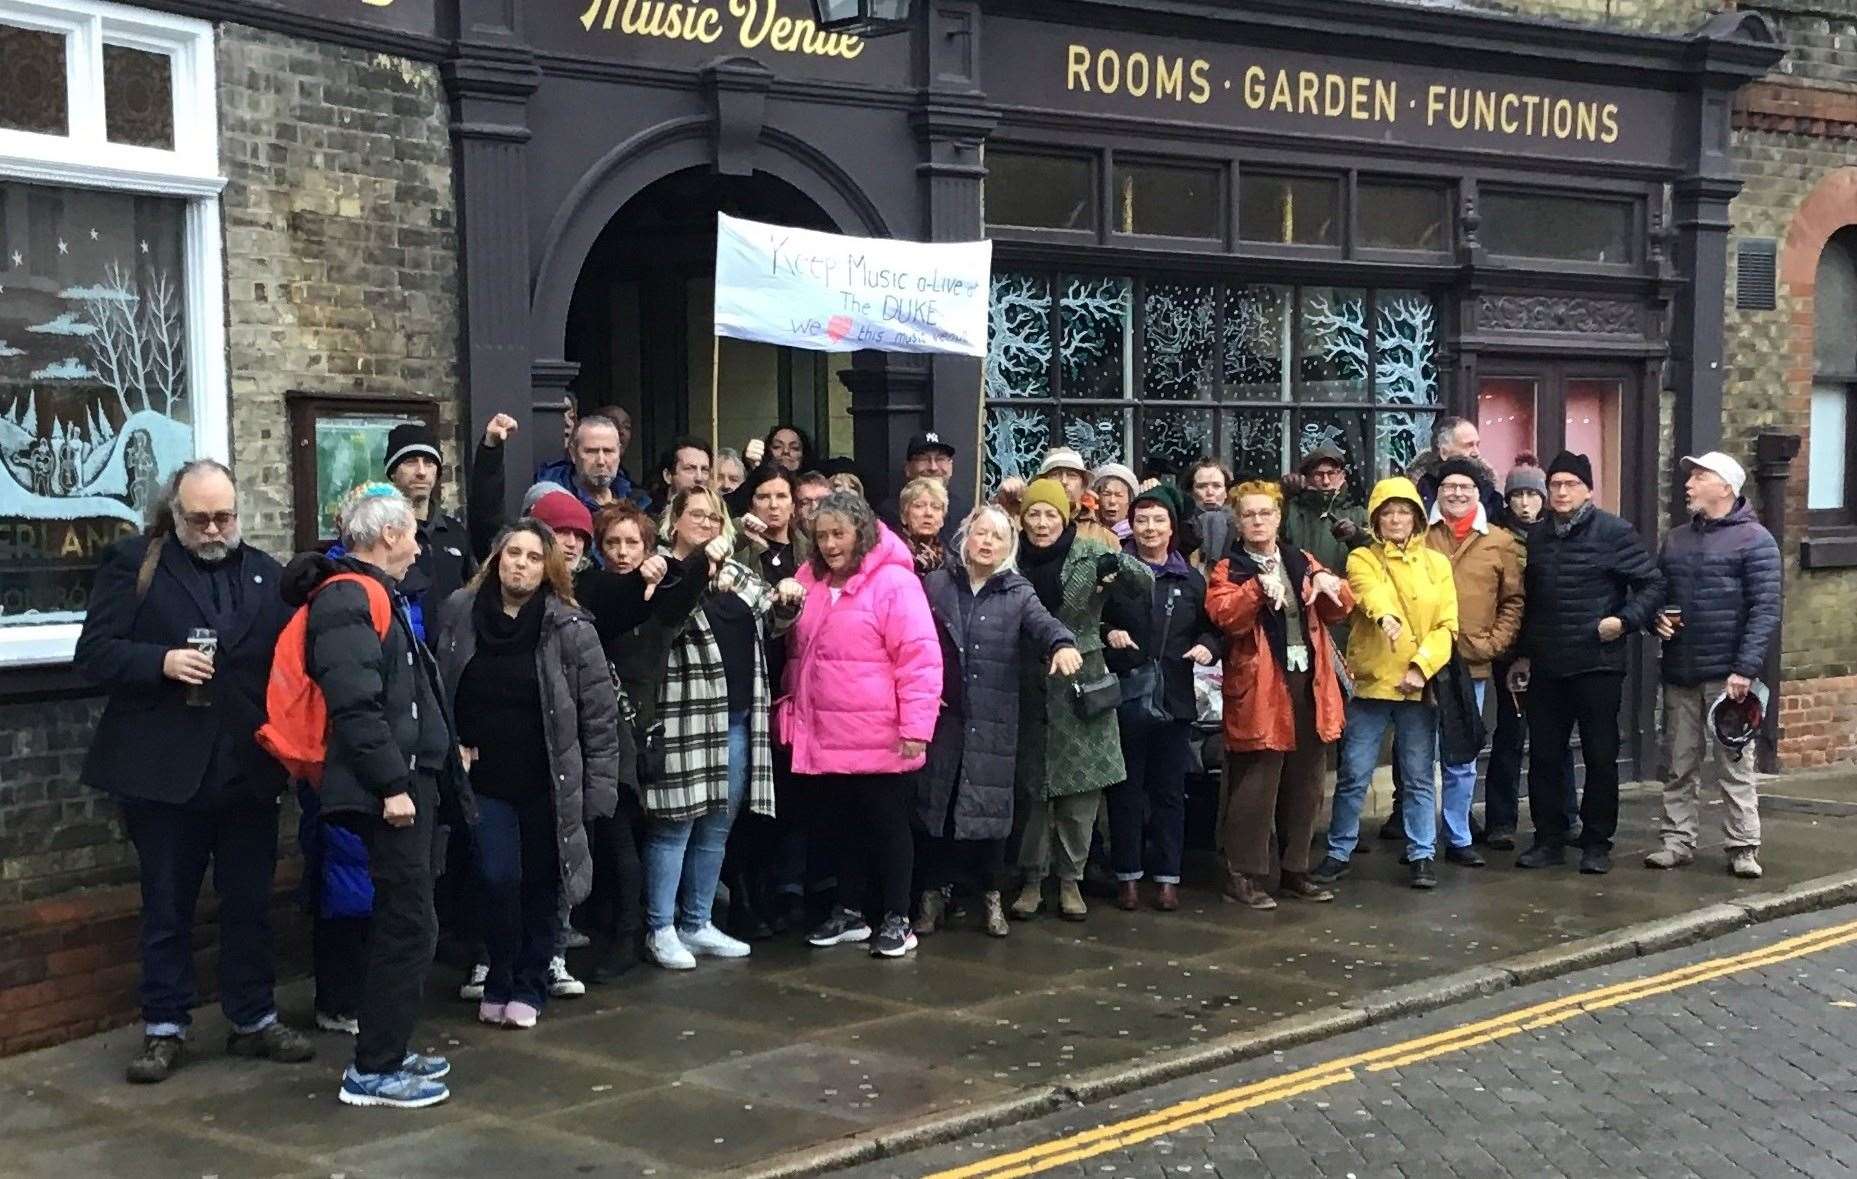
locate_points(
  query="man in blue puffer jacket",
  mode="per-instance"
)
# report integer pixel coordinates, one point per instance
(1721, 619)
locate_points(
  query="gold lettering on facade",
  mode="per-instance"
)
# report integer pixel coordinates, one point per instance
(1358, 98)
(757, 23)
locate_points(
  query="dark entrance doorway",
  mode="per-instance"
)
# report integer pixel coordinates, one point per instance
(640, 325)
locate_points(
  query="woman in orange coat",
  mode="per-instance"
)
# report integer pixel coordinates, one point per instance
(1283, 703)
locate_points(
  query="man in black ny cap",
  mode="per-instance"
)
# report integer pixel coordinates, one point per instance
(929, 456)
(1590, 582)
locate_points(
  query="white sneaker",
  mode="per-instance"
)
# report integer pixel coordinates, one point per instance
(1743, 864)
(665, 948)
(710, 942)
(561, 984)
(473, 989)
(346, 1024)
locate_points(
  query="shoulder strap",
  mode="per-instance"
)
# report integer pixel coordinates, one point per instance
(380, 608)
(145, 574)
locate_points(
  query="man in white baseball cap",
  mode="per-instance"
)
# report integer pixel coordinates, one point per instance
(1722, 616)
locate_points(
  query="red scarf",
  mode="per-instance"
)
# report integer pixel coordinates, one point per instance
(1460, 527)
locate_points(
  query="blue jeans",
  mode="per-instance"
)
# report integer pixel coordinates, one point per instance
(521, 875)
(1415, 728)
(683, 857)
(1460, 785)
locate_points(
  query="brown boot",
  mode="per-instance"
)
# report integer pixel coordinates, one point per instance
(1128, 895)
(1167, 897)
(996, 916)
(1299, 886)
(1031, 898)
(930, 911)
(1244, 890)
(1070, 904)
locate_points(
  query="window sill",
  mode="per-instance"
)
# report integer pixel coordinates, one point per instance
(1829, 550)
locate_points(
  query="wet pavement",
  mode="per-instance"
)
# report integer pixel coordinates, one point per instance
(731, 1066)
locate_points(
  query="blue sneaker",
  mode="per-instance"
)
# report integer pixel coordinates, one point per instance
(429, 1068)
(402, 1090)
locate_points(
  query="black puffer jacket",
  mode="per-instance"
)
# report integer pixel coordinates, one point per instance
(387, 717)
(1598, 569)
(1725, 574)
(976, 743)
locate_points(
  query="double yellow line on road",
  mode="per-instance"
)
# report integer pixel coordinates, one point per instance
(1224, 1104)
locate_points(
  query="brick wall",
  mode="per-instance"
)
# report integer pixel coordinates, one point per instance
(341, 277)
(341, 247)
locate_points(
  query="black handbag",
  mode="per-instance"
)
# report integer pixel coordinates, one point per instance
(647, 742)
(1144, 690)
(1093, 698)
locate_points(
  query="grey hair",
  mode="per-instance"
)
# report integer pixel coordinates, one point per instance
(1000, 519)
(537, 491)
(593, 419)
(368, 511)
(856, 511)
(915, 489)
(168, 506)
(732, 455)
(1446, 430)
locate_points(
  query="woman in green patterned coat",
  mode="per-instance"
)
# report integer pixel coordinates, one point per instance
(1065, 759)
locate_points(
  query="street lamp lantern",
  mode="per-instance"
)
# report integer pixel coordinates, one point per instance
(862, 18)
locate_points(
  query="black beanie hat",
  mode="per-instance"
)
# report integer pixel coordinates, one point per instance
(1569, 463)
(1468, 468)
(408, 439)
(1162, 495)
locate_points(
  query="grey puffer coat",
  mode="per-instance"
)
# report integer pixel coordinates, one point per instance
(582, 725)
(1725, 574)
(975, 751)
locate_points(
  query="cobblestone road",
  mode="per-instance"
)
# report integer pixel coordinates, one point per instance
(1732, 1059)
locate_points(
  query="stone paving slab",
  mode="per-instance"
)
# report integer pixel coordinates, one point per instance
(749, 1066)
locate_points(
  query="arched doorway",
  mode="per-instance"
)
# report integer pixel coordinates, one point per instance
(639, 324)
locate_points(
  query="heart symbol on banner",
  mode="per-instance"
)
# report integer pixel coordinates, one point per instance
(837, 328)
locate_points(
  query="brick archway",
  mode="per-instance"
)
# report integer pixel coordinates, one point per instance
(1830, 207)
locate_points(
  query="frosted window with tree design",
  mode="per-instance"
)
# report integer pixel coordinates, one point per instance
(94, 407)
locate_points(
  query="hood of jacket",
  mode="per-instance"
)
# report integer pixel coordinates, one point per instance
(1385, 492)
(306, 571)
(890, 550)
(1741, 513)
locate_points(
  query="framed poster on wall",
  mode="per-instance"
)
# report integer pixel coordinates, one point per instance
(336, 443)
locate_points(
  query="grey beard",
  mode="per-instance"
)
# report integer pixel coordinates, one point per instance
(214, 551)
(596, 481)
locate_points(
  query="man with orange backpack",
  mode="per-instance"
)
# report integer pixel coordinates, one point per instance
(180, 632)
(390, 765)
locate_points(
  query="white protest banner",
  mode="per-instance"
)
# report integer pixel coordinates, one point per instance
(832, 293)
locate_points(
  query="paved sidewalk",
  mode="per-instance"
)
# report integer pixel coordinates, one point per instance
(737, 1064)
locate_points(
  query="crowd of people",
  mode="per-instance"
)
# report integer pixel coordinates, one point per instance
(866, 724)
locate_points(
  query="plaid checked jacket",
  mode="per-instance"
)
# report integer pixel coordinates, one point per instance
(693, 704)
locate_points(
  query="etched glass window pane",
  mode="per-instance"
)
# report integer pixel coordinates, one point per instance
(1576, 229)
(1040, 192)
(1333, 364)
(1834, 303)
(1095, 317)
(94, 406)
(1177, 436)
(1399, 437)
(1257, 343)
(138, 97)
(33, 98)
(1019, 336)
(1099, 434)
(1405, 341)
(1255, 443)
(1177, 341)
(1168, 201)
(1347, 431)
(1398, 215)
(1017, 438)
(1289, 210)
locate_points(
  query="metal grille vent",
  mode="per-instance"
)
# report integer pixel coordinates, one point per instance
(1756, 277)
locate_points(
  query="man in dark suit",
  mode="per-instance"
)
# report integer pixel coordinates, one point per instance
(175, 746)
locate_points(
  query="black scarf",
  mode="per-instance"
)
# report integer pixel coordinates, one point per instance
(500, 634)
(1044, 567)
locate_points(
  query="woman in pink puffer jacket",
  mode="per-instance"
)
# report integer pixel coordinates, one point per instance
(863, 689)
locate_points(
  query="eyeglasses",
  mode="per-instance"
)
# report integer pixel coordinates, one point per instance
(199, 520)
(703, 517)
(1259, 514)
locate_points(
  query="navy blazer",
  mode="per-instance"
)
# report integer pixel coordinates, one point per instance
(151, 744)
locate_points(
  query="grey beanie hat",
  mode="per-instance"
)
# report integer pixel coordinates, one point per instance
(1526, 479)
